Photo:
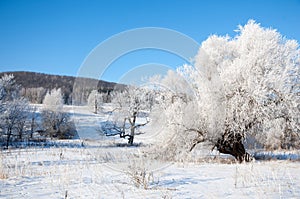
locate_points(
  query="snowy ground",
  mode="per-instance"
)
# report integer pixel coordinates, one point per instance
(99, 169)
(79, 172)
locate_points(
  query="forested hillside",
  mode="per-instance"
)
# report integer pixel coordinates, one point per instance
(34, 86)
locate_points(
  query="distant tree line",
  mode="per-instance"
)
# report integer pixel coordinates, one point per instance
(34, 87)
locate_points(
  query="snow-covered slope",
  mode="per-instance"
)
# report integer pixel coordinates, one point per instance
(87, 123)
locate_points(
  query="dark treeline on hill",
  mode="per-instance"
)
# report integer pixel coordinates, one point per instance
(34, 86)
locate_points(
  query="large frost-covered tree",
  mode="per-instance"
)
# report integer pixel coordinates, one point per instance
(129, 112)
(242, 86)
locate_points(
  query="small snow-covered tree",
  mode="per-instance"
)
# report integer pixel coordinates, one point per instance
(56, 122)
(9, 89)
(14, 118)
(53, 100)
(130, 109)
(95, 101)
(13, 109)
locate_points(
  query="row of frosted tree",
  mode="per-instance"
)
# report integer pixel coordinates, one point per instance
(20, 121)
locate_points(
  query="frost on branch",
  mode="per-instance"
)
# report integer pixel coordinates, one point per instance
(246, 86)
(130, 109)
(13, 111)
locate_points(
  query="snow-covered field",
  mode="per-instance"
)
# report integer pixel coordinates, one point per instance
(90, 168)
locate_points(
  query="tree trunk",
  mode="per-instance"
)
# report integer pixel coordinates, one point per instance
(96, 105)
(132, 129)
(130, 140)
(32, 127)
(20, 134)
(131, 136)
(8, 137)
(232, 144)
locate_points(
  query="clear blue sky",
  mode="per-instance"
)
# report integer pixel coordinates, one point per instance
(55, 36)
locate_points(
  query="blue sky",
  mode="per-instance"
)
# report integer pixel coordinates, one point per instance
(55, 36)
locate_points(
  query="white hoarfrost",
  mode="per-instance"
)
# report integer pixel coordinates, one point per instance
(248, 84)
(13, 111)
(95, 101)
(53, 100)
(129, 112)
